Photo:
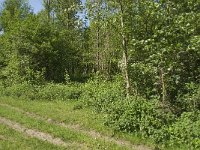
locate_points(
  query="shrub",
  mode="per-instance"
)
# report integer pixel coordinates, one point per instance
(138, 115)
(101, 93)
(184, 131)
(48, 91)
(23, 90)
(151, 119)
(58, 91)
(191, 100)
(1, 88)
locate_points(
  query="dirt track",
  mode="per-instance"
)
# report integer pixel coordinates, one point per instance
(36, 134)
(75, 127)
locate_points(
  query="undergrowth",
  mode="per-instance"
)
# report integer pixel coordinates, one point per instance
(150, 118)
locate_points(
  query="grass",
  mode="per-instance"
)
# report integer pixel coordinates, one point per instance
(56, 131)
(63, 111)
(10, 140)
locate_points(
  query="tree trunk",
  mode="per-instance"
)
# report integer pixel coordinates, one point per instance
(125, 52)
(163, 85)
(98, 52)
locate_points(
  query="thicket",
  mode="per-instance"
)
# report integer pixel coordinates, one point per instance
(136, 63)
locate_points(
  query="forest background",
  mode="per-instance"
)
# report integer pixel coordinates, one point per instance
(135, 61)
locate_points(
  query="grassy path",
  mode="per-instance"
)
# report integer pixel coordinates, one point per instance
(66, 132)
(13, 140)
(37, 134)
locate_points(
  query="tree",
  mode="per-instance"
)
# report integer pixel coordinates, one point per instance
(13, 11)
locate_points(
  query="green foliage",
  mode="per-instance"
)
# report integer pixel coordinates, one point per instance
(48, 91)
(23, 90)
(148, 118)
(154, 44)
(143, 77)
(58, 91)
(12, 12)
(101, 93)
(184, 131)
(191, 100)
(1, 88)
(138, 115)
(167, 38)
(34, 49)
(151, 119)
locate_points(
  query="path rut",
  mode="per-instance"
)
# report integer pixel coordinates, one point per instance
(37, 134)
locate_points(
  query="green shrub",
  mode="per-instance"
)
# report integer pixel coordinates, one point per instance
(58, 91)
(46, 92)
(152, 120)
(191, 100)
(1, 88)
(101, 93)
(184, 131)
(23, 90)
(138, 115)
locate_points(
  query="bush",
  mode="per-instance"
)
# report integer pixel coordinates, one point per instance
(191, 100)
(184, 131)
(151, 119)
(1, 88)
(101, 94)
(46, 92)
(23, 90)
(58, 91)
(138, 115)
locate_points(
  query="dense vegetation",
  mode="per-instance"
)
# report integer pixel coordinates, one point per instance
(136, 62)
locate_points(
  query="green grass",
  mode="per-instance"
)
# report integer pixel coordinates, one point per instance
(63, 111)
(12, 140)
(55, 130)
